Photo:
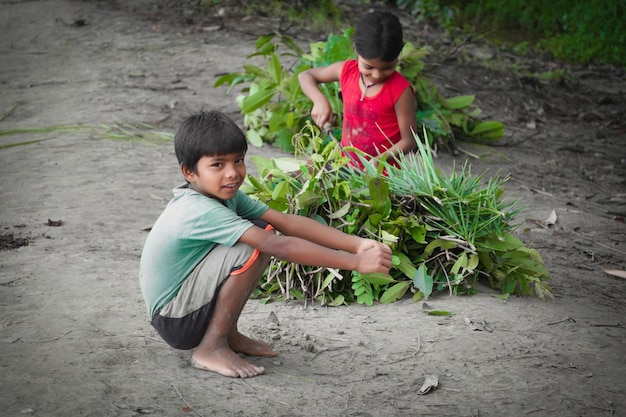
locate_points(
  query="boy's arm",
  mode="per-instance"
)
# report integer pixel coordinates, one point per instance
(322, 112)
(308, 242)
(313, 231)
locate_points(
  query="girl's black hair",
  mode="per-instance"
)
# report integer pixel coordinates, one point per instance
(207, 133)
(378, 35)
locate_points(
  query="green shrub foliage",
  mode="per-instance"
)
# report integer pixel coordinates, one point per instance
(275, 108)
(578, 31)
(447, 231)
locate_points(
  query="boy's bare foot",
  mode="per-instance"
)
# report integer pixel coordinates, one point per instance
(251, 347)
(225, 362)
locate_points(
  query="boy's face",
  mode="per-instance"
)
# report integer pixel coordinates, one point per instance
(376, 71)
(219, 176)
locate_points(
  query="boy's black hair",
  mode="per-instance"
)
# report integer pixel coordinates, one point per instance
(207, 133)
(378, 35)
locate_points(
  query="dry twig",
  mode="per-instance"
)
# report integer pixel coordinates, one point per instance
(186, 402)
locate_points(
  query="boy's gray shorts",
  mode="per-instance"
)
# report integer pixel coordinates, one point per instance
(184, 320)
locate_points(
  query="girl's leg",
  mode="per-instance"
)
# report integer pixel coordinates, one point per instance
(217, 351)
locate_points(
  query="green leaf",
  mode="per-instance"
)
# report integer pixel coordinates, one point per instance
(275, 69)
(497, 243)
(280, 191)
(263, 40)
(459, 102)
(260, 186)
(441, 244)
(395, 293)
(374, 219)
(288, 164)
(439, 313)
(491, 130)
(254, 138)
(461, 262)
(307, 198)
(543, 290)
(263, 50)
(503, 297)
(473, 262)
(366, 299)
(319, 219)
(422, 281)
(337, 301)
(388, 238)
(418, 233)
(296, 293)
(341, 212)
(377, 278)
(277, 205)
(327, 281)
(256, 100)
(358, 289)
(226, 79)
(255, 71)
(508, 285)
(405, 265)
(379, 189)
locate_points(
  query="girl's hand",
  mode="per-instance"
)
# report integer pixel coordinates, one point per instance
(322, 113)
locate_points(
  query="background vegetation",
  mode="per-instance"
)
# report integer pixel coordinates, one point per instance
(575, 31)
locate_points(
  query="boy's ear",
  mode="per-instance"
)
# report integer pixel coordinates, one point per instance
(187, 173)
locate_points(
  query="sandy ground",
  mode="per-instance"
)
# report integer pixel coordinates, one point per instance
(75, 339)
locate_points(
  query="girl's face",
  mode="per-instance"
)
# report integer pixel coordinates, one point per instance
(218, 176)
(376, 71)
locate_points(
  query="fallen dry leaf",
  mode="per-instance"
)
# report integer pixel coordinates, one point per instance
(431, 382)
(551, 220)
(477, 324)
(618, 273)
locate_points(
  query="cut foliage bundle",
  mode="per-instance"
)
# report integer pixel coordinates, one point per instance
(447, 231)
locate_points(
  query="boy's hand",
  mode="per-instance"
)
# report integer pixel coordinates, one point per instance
(373, 257)
(366, 244)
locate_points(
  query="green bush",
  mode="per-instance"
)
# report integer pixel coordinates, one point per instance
(578, 31)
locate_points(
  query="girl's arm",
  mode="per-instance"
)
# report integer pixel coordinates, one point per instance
(405, 113)
(322, 111)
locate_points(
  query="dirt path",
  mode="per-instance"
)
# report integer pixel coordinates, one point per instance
(74, 334)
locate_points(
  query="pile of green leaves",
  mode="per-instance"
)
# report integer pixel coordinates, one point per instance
(275, 108)
(447, 231)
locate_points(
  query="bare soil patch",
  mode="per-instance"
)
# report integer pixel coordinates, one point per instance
(75, 339)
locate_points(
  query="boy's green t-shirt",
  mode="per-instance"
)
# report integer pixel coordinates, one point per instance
(189, 227)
